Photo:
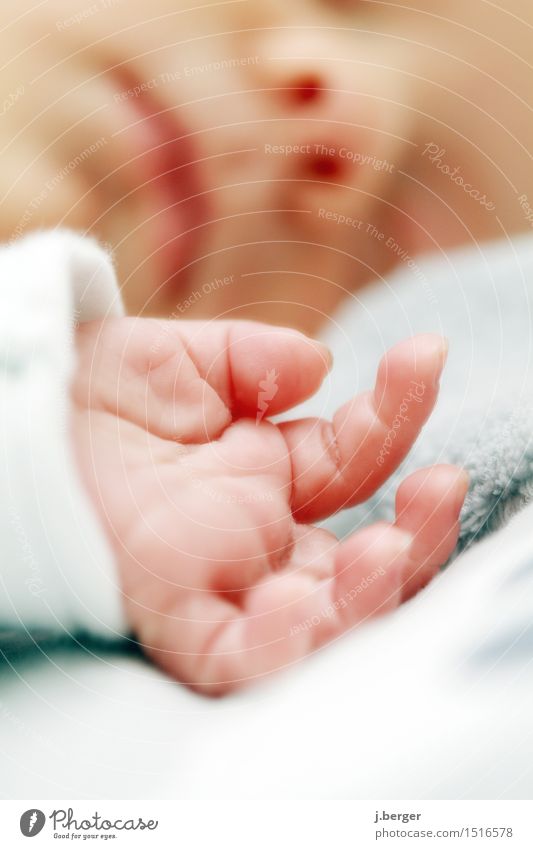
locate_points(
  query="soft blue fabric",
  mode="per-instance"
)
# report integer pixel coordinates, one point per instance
(481, 299)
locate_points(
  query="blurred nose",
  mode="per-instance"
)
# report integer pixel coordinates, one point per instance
(294, 66)
(306, 81)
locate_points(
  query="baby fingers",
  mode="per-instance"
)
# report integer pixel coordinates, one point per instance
(216, 646)
(341, 463)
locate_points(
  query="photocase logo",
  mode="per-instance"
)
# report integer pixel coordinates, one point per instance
(32, 822)
(268, 389)
(64, 824)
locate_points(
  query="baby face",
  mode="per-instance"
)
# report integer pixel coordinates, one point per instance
(253, 158)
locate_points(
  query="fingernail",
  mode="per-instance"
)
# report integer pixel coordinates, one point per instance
(397, 540)
(325, 353)
(445, 349)
(403, 539)
(441, 348)
(463, 483)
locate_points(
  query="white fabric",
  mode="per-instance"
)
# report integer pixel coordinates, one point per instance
(433, 702)
(57, 571)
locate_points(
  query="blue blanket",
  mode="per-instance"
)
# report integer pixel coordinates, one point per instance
(481, 299)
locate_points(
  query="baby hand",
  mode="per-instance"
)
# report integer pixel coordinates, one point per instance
(208, 505)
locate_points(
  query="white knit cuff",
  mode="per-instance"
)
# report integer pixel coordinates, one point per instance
(57, 570)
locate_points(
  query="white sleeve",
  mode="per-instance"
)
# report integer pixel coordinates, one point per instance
(56, 570)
